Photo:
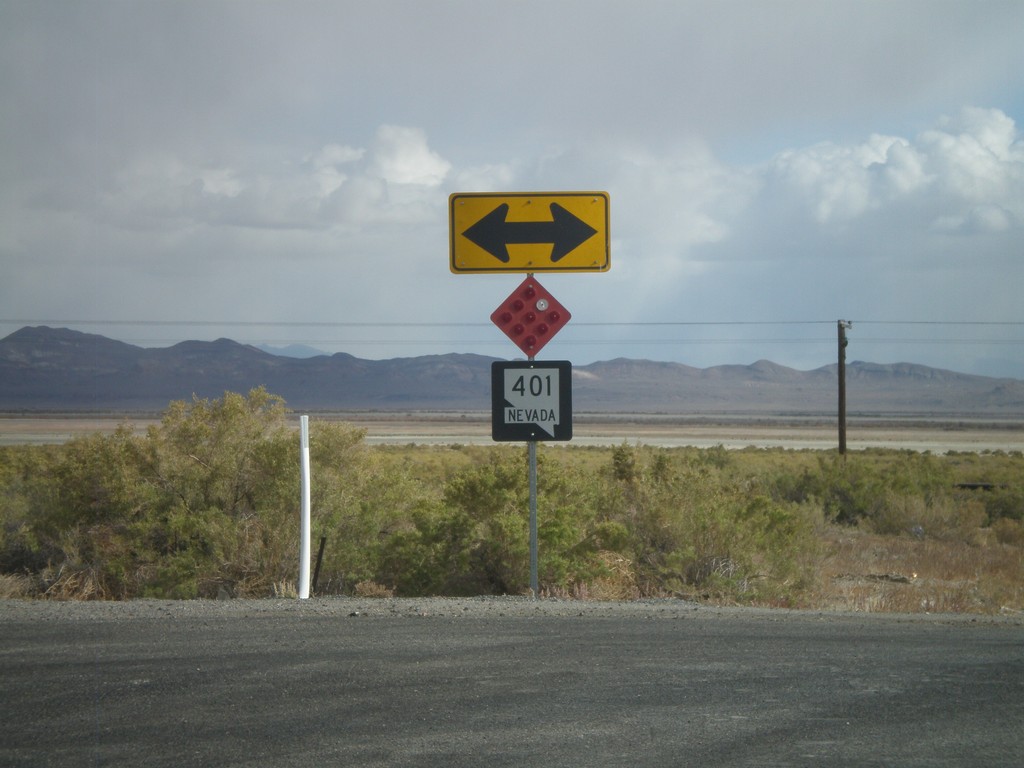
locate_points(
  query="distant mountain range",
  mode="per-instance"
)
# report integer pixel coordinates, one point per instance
(49, 369)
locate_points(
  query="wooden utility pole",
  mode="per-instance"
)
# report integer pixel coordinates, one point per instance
(842, 326)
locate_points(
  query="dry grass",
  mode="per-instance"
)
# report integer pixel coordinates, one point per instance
(14, 586)
(858, 571)
(863, 571)
(616, 582)
(285, 589)
(75, 584)
(373, 589)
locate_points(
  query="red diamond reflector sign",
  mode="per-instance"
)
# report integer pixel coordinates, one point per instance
(530, 316)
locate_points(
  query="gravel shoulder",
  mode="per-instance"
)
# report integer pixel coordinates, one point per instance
(444, 607)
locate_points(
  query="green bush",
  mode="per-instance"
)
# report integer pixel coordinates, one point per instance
(849, 488)
(203, 504)
(359, 503)
(476, 539)
(1005, 501)
(693, 527)
(938, 516)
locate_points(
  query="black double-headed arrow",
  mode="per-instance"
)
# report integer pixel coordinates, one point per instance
(494, 234)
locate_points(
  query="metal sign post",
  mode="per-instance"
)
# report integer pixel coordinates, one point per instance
(531, 449)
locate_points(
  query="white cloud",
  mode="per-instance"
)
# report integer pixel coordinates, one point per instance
(974, 176)
(838, 183)
(220, 181)
(393, 182)
(903, 170)
(978, 220)
(484, 178)
(978, 160)
(327, 165)
(334, 155)
(401, 156)
(987, 129)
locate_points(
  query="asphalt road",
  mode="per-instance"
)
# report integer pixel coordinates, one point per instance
(503, 683)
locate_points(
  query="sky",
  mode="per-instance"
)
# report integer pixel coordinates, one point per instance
(279, 172)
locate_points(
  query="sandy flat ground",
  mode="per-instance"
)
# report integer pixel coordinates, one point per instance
(938, 436)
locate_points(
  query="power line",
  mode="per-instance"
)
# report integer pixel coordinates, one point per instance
(241, 323)
(938, 322)
(588, 342)
(427, 324)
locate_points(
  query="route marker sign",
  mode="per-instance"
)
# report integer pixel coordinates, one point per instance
(529, 232)
(530, 316)
(531, 401)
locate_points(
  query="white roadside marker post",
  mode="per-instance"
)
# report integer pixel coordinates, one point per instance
(304, 538)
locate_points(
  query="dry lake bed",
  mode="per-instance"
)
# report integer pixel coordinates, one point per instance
(935, 434)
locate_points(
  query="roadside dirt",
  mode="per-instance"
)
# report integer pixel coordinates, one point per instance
(444, 607)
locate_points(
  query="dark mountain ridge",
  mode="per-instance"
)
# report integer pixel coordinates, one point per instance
(49, 369)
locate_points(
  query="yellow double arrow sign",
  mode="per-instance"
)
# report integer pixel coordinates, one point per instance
(529, 232)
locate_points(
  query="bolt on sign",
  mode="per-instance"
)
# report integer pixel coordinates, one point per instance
(529, 232)
(530, 316)
(531, 401)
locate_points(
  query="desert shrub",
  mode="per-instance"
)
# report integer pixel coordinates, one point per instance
(1008, 531)
(80, 516)
(224, 454)
(923, 474)
(851, 488)
(475, 539)
(227, 470)
(694, 527)
(844, 489)
(96, 483)
(359, 503)
(178, 512)
(431, 555)
(939, 516)
(203, 504)
(206, 503)
(494, 500)
(26, 486)
(718, 457)
(1005, 501)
